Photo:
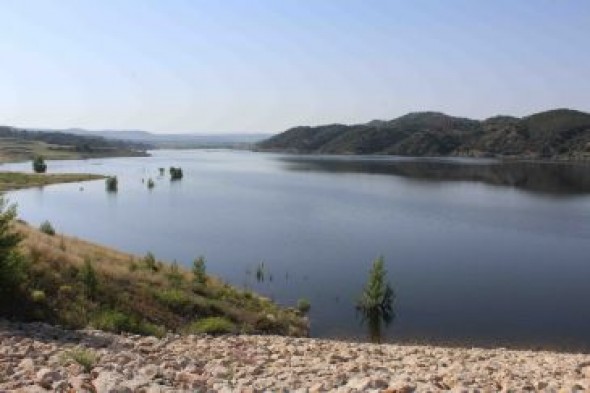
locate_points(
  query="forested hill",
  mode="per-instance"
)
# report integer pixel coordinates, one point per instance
(559, 134)
(20, 144)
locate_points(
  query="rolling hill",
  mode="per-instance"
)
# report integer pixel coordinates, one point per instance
(19, 144)
(554, 134)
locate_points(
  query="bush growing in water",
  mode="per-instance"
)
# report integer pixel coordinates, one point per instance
(377, 296)
(212, 325)
(175, 173)
(150, 183)
(39, 165)
(303, 305)
(376, 302)
(112, 184)
(199, 270)
(47, 228)
(162, 170)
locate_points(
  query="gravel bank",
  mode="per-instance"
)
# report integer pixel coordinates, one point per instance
(38, 357)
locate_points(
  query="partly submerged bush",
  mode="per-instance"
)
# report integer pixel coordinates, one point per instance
(303, 305)
(175, 173)
(150, 183)
(39, 165)
(112, 184)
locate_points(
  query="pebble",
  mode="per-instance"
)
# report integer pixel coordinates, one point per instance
(31, 360)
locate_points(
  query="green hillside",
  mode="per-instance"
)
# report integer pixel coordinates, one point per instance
(555, 134)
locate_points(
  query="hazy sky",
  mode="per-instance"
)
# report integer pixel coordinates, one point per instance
(250, 66)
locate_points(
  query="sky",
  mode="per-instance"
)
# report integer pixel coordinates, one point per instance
(254, 66)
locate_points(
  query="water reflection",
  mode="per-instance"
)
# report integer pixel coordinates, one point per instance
(540, 177)
(377, 321)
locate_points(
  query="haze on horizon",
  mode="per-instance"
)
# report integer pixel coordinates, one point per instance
(265, 66)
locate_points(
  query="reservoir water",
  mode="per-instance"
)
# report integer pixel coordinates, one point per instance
(478, 251)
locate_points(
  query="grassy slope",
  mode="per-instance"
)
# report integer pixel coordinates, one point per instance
(17, 180)
(131, 296)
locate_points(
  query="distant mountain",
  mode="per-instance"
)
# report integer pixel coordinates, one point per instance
(560, 133)
(172, 140)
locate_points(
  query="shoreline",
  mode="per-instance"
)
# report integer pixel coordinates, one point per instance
(38, 357)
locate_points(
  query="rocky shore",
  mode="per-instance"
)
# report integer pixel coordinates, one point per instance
(39, 357)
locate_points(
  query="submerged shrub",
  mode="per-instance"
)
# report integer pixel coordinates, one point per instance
(47, 228)
(378, 296)
(112, 184)
(303, 305)
(39, 165)
(175, 173)
(212, 325)
(150, 183)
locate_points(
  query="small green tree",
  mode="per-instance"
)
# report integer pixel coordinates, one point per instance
(39, 165)
(377, 296)
(200, 270)
(12, 263)
(89, 278)
(174, 275)
(150, 262)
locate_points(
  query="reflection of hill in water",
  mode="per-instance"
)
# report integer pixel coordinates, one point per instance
(549, 178)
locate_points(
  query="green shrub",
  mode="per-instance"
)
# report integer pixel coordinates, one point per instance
(150, 183)
(200, 270)
(112, 184)
(303, 305)
(175, 299)
(39, 165)
(377, 296)
(13, 266)
(174, 276)
(112, 321)
(38, 296)
(149, 262)
(84, 357)
(212, 325)
(89, 278)
(47, 228)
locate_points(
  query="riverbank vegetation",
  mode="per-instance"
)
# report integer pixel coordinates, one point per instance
(63, 280)
(17, 180)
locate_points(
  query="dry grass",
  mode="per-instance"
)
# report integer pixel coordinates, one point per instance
(152, 301)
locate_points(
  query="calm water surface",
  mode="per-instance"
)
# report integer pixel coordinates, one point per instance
(476, 250)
